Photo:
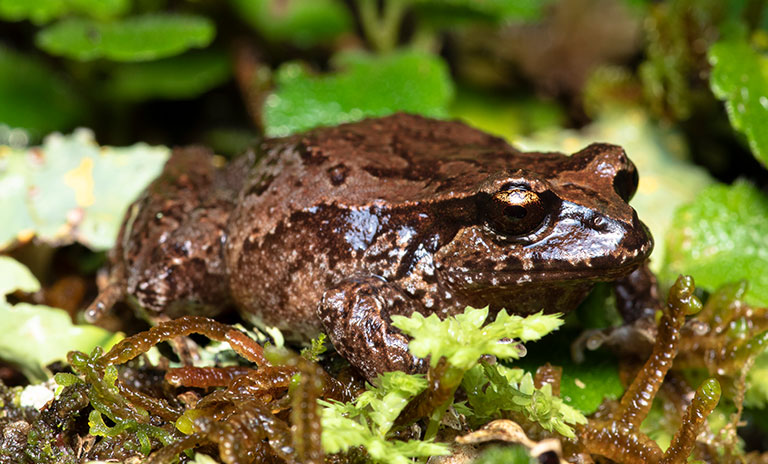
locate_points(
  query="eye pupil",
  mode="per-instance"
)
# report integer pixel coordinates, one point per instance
(515, 211)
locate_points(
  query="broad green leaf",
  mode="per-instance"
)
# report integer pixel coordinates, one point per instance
(667, 181)
(70, 189)
(178, 77)
(135, 38)
(36, 335)
(34, 97)
(303, 22)
(740, 77)
(366, 86)
(41, 11)
(722, 237)
(583, 386)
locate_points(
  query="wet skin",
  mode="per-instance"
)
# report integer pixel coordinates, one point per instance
(336, 229)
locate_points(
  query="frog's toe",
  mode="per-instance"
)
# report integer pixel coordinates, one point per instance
(356, 316)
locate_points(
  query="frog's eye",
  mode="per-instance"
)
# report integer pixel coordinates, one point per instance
(516, 211)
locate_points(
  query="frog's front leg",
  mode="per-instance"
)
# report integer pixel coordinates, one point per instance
(356, 316)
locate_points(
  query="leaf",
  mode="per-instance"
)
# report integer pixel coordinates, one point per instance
(584, 386)
(303, 22)
(70, 189)
(463, 339)
(406, 80)
(37, 335)
(667, 180)
(34, 97)
(14, 276)
(740, 77)
(135, 38)
(41, 11)
(179, 77)
(721, 237)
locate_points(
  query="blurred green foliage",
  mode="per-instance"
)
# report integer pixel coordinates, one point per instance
(740, 77)
(722, 237)
(138, 38)
(409, 81)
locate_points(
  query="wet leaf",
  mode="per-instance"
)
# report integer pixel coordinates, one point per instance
(41, 11)
(36, 335)
(70, 189)
(178, 77)
(136, 38)
(667, 181)
(740, 77)
(34, 97)
(303, 22)
(407, 80)
(721, 237)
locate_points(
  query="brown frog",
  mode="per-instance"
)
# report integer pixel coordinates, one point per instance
(336, 229)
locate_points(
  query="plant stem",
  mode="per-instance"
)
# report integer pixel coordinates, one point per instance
(381, 29)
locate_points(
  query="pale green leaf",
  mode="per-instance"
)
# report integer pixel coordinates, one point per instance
(70, 189)
(721, 237)
(135, 38)
(740, 77)
(37, 335)
(462, 339)
(407, 80)
(15, 276)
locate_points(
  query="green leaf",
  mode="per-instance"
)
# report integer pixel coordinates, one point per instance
(179, 77)
(492, 389)
(722, 237)
(41, 11)
(303, 22)
(367, 420)
(583, 385)
(136, 38)
(70, 189)
(37, 335)
(366, 86)
(463, 339)
(14, 276)
(667, 180)
(34, 97)
(740, 77)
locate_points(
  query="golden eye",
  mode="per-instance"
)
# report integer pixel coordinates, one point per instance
(515, 211)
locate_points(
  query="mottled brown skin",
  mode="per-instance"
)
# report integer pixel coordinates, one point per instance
(338, 228)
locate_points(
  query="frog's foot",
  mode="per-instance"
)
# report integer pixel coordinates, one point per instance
(356, 316)
(637, 295)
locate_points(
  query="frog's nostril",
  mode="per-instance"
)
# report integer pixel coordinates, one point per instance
(625, 183)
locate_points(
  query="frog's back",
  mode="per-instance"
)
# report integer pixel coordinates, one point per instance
(315, 207)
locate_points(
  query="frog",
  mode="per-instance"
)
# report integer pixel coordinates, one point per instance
(336, 229)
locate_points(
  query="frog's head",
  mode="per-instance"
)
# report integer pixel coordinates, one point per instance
(544, 233)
